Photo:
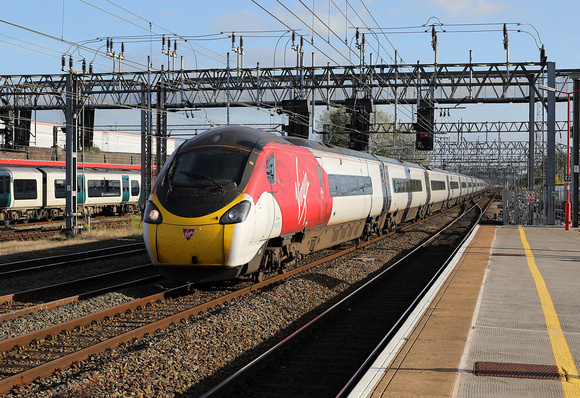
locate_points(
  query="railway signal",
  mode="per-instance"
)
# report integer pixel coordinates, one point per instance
(425, 126)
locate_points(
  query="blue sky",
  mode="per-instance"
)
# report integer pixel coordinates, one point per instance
(35, 33)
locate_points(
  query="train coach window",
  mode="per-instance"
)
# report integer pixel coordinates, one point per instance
(401, 185)
(60, 188)
(464, 185)
(344, 185)
(25, 189)
(134, 188)
(100, 188)
(333, 185)
(454, 185)
(438, 185)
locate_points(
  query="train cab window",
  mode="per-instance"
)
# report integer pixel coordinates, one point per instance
(208, 166)
(271, 169)
(319, 175)
(25, 189)
(60, 189)
(134, 188)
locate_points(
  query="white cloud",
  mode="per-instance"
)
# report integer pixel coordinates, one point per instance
(471, 9)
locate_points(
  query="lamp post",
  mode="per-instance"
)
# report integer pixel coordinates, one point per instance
(568, 176)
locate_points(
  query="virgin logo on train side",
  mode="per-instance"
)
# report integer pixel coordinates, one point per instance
(301, 192)
(188, 233)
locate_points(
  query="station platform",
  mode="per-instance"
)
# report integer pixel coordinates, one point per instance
(505, 323)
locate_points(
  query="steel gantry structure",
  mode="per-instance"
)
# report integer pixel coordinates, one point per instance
(291, 90)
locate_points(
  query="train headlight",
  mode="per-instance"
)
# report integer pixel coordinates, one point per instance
(236, 214)
(152, 214)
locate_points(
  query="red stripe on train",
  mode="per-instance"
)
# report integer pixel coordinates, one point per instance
(50, 163)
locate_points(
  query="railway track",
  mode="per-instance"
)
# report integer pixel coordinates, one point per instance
(68, 260)
(21, 356)
(33, 300)
(43, 230)
(321, 358)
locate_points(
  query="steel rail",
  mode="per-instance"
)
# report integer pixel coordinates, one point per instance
(68, 259)
(31, 293)
(66, 361)
(250, 368)
(381, 346)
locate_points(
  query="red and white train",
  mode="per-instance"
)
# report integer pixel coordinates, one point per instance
(236, 201)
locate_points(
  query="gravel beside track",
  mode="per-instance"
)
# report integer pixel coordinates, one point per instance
(188, 359)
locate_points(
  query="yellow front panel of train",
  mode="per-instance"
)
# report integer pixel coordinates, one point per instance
(179, 245)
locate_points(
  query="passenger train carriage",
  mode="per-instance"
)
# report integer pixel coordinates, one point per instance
(29, 193)
(236, 201)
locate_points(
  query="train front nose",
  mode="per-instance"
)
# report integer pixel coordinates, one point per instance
(181, 245)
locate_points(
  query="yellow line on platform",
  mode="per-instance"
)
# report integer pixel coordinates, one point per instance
(560, 349)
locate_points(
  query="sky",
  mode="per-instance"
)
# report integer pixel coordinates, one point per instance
(34, 34)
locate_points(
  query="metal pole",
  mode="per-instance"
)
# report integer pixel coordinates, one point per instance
(567, 208)
(575, 152)
(71, 96)
(532, 135)
(551, 149)
(228, 90)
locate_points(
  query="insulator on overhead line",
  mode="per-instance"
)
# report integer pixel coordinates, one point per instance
(63, 62)
(241, 42)
(506, 42)
(163, 42)
(84, 66)
(70, 62)
(91, 68)
(122, 48)
(175, 45)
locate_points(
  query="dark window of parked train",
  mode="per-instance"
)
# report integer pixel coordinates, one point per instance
(454, 185)
(464, 185)
(134, 188)
(100, 188)
(342, 185)
(401, 185)
(60, 188)
(438, 185)
(25, 189)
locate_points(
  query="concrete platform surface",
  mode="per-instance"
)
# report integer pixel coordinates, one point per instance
(513, 299)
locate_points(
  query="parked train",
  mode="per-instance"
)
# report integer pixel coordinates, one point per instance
(235, 201)
(39, 193)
